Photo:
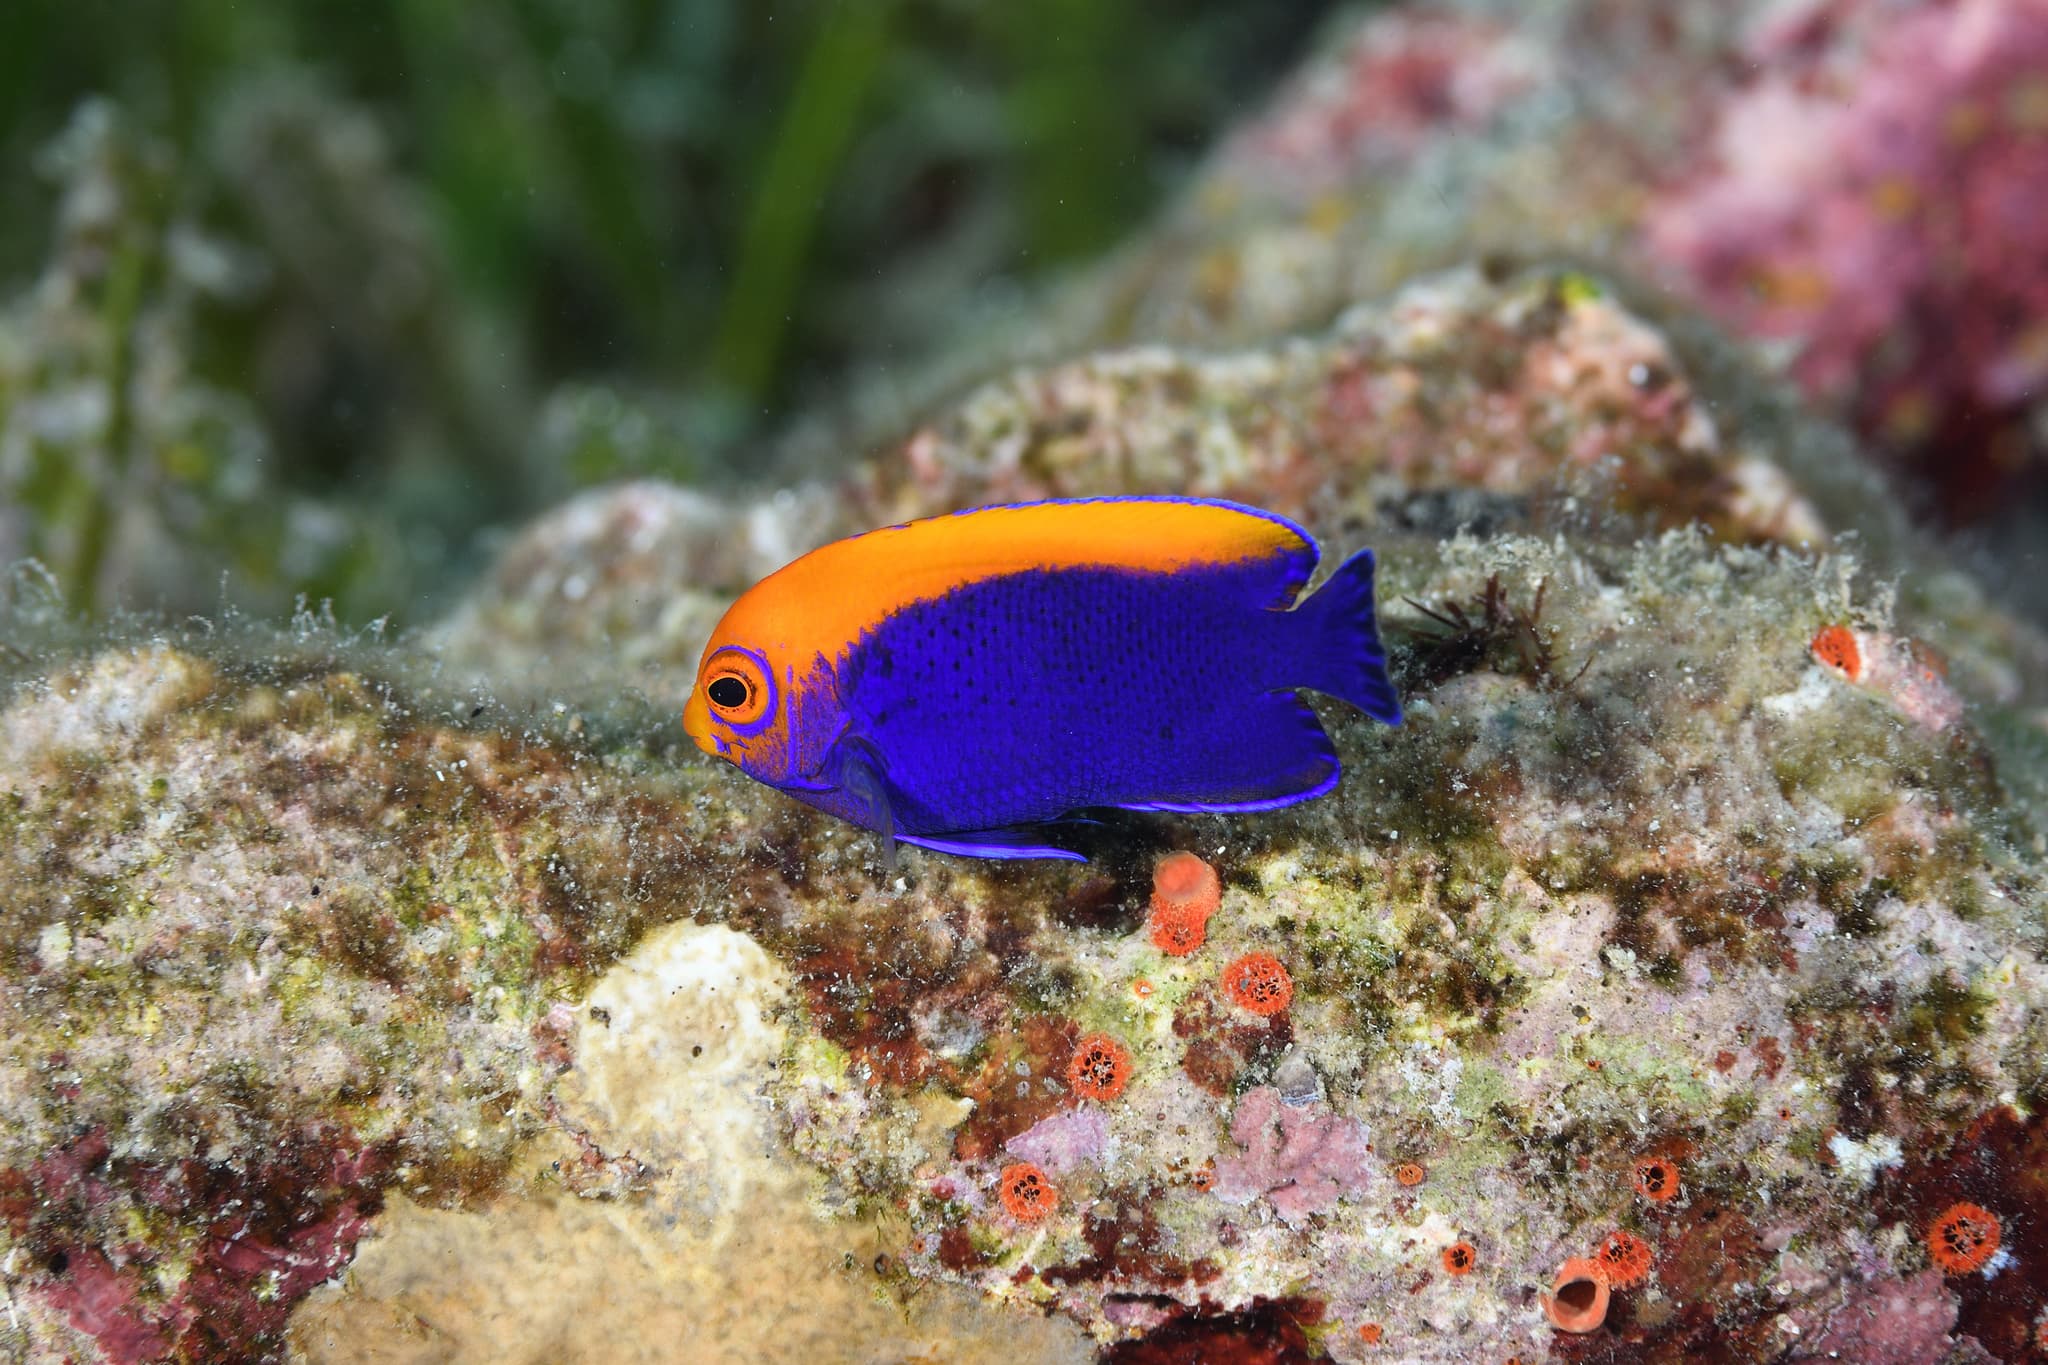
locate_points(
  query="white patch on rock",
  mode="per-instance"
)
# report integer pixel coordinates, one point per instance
(716, 1255)
(53, 945)
(112, 699)
(1816, 689)
(1431, 1074)
(1859, 1162)
(685, 1018)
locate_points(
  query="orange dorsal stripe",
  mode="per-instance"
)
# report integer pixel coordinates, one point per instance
(824, 601)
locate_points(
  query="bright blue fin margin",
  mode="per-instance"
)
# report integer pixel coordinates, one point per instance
(1021, 842)
(1277, 756)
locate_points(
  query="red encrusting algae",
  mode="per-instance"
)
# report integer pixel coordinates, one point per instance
(1836, 647)
(1026, 1192)
(1099, 1068)
(1259, 983)
(1626, 1258)
(1370, 1334)
(1963, 1238)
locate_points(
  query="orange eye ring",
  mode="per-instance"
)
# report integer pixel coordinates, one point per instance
(739, 689)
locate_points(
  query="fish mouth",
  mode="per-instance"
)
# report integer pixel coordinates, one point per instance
(697, 725)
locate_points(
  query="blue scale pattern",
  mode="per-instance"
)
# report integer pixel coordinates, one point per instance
(1018, 699)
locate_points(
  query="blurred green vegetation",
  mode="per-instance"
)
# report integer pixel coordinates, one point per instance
(318, 289)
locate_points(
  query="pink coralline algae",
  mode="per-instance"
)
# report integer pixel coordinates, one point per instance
(100, 1301)
(1885, 1322)
(271, 1235)
(1399, 82)
(1301, 1159)
(1905, 672)
(1062, 1141)
(1879, 194)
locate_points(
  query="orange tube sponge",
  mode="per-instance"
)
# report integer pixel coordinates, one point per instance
(1185, 892)
(1578, 1297)
(1657, 1179)
(1836, 647)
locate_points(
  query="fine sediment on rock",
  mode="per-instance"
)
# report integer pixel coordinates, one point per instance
(323, 949)
(435, 999)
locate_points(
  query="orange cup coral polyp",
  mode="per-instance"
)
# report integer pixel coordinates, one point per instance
(1409, 1173)
(1578, 1296)
(1259, 983)
(1626, 1258)
(1836, 647)
(1460, 1257)
(1963, 1238)
(1099, 1068)
(1026, 1192)
(1177, 933)
(1183, 881)
(1185, 892)
(1657, 1179)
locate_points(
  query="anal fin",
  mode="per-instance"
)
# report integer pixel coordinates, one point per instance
(1021, 841)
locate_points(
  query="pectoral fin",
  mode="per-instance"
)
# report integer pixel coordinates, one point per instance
(861, 778)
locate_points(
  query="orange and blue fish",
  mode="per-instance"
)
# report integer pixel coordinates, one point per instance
(967, 682)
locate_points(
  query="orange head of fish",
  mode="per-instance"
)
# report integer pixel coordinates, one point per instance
(764, 698)
(736, 704)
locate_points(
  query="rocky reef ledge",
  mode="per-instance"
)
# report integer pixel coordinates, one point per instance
(432, 1000)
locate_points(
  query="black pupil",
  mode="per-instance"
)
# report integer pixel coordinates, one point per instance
(728, 692)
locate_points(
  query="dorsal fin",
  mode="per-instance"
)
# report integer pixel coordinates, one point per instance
(831, 596)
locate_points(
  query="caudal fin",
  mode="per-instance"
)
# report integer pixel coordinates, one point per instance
(1341, 646)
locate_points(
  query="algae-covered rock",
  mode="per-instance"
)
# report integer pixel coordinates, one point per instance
(662, 1195)
(1667, 889)
(1699, 899)
(435, 1000)
(275, 943)
(1856, 183)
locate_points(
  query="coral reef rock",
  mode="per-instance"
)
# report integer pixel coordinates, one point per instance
(1700, 897)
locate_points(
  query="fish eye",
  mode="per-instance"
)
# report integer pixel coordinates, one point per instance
(728, 692)
(740, 689)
